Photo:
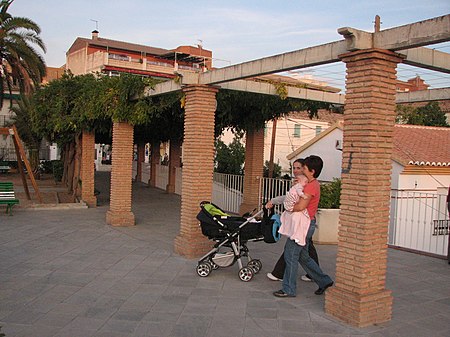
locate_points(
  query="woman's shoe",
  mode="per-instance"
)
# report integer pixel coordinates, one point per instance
(306, 278)
(273, 278)
(281, 293)
(320, 291)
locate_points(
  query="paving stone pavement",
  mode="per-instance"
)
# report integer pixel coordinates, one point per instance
(67, 273)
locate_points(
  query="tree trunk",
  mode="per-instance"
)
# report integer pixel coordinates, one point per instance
(34, 161)
(77, 168)
(64, 156)
(70, 166)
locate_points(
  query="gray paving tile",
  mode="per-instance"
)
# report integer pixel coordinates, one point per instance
(126, 327)
(76, 276)
(153, 329)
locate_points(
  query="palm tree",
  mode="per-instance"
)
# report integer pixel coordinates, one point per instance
(23, 121)
(20, 64)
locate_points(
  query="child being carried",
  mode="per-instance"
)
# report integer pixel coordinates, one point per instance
(295, 225)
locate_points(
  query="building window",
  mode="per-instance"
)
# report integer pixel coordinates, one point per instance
(318, 130)
(297, 130)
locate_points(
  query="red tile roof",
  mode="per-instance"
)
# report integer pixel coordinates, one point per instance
(422, 145)
(412, 144)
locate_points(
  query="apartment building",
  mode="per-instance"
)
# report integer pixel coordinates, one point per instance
(113, 57)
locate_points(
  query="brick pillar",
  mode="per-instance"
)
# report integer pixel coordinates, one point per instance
(359, 296)
(155, 159)
(119, 213)
(140, 160)
(254, 166)
(174, 162)
(198, 166)
(88, 169)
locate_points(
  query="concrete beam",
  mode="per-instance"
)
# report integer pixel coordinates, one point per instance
(293, 92)
(313, 56)
(162, 88)
(423, 95)
(399, 38)
(414, 35)
(427, 58)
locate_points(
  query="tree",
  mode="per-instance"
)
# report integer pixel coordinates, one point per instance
(230, 158)
(428, 115)
(23, 112)
(21, 64)
(276, 170)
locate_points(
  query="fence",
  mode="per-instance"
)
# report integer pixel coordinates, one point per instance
(419, 221)
(228, 191)
(270, 188)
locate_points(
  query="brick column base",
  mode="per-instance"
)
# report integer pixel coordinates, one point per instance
(120, 219)
(174, 162)
(121, 176)
(198, 166)
(359, 310)
(359, 296)
(87, 169)
(155, 159)
(254, 166)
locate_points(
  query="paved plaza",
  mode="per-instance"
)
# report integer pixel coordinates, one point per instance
(66, 273)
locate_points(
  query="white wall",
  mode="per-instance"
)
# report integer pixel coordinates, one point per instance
(428, 181)
(325, 148)
(286, 142)
(396, 170)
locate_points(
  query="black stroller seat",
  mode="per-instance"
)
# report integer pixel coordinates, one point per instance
(231, 234)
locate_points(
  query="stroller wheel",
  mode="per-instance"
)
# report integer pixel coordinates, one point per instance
(256, 265)
(246, 274)
(203, 269)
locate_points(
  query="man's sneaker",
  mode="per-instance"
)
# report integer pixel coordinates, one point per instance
(306, 278)
(273, 278)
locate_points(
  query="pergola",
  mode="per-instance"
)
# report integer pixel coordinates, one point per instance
(359, 296)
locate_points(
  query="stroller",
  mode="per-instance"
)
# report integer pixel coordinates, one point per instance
(231, 234)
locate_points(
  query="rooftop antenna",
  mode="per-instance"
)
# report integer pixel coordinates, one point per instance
(200, 44)
(96, 23)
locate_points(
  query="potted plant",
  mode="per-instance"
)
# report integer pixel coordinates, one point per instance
(328, 214)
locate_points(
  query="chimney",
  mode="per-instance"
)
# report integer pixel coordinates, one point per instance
(94, 34)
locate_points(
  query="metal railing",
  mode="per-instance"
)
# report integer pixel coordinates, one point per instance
(419, 221)
(270, 188)
(228, 191)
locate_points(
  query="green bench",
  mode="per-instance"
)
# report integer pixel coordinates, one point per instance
(7, 196)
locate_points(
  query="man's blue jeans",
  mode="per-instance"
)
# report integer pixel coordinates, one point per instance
(294, 254)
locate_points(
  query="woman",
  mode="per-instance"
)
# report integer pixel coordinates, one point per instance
(293, 252)
(278, 270)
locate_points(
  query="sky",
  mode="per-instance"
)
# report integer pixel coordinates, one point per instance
(236, 31)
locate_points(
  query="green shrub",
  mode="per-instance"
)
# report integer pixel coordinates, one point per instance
(330, 194)
(58, 169)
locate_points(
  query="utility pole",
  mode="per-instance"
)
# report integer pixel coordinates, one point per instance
(272, 147)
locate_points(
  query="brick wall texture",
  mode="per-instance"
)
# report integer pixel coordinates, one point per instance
(119, 213)
(359, 296)
(174, 162)
(140, 160)
(254, 165)
(87, 169)
(155, 159)
(198, 165)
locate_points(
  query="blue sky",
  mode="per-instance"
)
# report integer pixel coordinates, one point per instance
(236, 31)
